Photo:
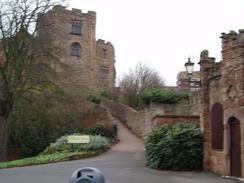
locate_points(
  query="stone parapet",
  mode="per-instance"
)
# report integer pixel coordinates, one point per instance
(142, 122)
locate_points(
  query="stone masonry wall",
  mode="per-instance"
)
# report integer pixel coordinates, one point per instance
(135, 120)
(141, 122)
(105, 59)
(223, 83)
(82, 71)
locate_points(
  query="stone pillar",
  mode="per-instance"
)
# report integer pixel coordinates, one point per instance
(205, 64)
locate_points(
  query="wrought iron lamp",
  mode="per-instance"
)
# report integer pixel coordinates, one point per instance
(189, 69)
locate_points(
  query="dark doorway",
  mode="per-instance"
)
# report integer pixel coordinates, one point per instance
(217, 126)
(235, 147)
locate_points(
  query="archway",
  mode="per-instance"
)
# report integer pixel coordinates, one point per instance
(235, 147)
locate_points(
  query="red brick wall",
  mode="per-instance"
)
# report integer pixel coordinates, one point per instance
(172, 119)
(223, 82)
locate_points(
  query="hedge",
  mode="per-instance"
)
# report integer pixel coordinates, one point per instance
(162, 96)
(175, 147)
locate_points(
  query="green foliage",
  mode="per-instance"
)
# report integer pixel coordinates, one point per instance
(36, 123)
(175, 147)
(50, 158)
(112, 93)
(40, 120)
(162, 96)
(101, 129)
(95, 99)
(96, 143)
(105, 94)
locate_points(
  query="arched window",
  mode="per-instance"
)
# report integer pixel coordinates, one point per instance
(217, 126)
(76, 49)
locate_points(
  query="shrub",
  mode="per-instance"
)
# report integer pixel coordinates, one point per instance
(95, 99)
(34, 124)
(96, 143)
(162, 96)
(101, 129)
(105, 94)
(40, 119)
(175, 147)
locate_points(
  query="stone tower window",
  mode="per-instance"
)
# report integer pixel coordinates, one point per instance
(104, 53)
(76, 27)
(76, 49)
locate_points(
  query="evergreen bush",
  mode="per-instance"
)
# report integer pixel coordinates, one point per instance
(95, 99)
(35, 124)
(175, 147)
(40, 120)
(101, 129)
(162, 96)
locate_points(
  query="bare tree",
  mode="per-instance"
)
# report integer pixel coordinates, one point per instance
(19, 52)
(139, 79)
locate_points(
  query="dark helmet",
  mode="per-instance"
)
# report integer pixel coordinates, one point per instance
(87, 175)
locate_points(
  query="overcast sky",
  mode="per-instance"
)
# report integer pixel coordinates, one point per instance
(163, 33)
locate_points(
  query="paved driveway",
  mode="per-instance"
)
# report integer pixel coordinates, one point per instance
(124, 163)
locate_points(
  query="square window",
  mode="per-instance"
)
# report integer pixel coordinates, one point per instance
(76, 27)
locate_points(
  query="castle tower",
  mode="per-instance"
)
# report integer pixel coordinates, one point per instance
(105, 59)
(71, 36)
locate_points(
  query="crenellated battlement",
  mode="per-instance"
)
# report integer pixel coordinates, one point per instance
(101, 41)
(58, 8)
(232, 39)
(76, 10)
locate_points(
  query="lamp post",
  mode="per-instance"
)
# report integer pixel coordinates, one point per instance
(189, 67)
(194, 83)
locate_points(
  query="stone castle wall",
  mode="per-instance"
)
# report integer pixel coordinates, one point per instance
(105, 59)
(223, 84)
(83, 70)
(142, 122)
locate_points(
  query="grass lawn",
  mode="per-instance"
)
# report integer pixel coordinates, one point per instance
(50, 158)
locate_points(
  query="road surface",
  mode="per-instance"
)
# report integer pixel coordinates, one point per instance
(123, 163)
